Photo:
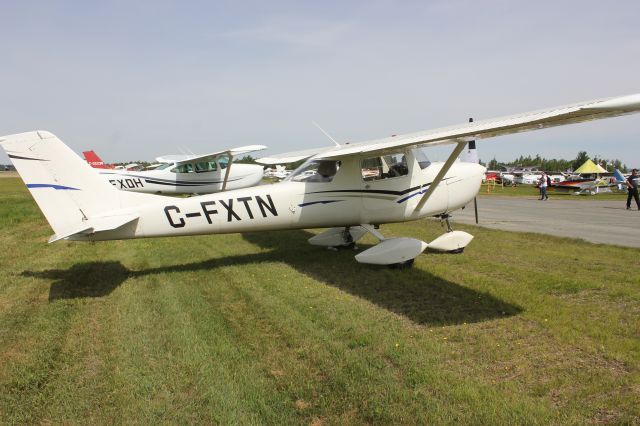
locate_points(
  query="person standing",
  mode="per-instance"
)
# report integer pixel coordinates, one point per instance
(632, 187)
(542, 184)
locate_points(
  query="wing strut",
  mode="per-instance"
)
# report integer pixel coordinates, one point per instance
(443, 171)
(226, 174)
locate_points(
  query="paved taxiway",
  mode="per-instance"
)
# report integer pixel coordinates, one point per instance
(597, 221)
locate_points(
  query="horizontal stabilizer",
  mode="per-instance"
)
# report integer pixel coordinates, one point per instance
(98, 224)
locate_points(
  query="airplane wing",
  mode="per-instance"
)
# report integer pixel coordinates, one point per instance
(292, 157)
(535, 120)
(233, 152)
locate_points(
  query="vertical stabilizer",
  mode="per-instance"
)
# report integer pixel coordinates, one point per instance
(94, 160)
(67, 190)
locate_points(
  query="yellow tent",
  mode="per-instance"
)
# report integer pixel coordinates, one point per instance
(590, 167)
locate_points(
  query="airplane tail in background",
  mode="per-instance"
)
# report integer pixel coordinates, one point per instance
(619, 177)
(73, 197)
(94, 160)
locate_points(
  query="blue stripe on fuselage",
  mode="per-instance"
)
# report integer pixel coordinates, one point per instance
(50, 185)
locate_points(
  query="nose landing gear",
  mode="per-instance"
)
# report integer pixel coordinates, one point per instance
(453, 242)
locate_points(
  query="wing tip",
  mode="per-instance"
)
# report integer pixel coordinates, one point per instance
(624, 103)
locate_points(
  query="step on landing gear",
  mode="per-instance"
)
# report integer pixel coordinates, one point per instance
(339, 238)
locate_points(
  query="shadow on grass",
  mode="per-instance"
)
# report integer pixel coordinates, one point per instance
(91, 279)
(414, 293)
(422, 297)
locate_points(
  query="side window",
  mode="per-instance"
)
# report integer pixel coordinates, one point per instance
(384, 167)
(183, 168)
(223, 162)
(206, 166)
(315, 171)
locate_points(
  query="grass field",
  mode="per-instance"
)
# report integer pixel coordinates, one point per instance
(264, 328)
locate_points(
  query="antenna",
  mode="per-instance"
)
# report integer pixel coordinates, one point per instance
(325, 133)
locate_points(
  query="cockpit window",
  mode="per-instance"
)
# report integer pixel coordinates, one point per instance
(384, 167)
(315, 171)
(224, 162)
(163, 166)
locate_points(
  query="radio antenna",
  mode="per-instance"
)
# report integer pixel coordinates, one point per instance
(325, 133)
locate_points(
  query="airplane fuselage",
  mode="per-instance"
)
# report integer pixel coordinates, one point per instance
(168, 182)
(347, 200)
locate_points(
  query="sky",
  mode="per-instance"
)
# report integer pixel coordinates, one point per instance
(136, 80)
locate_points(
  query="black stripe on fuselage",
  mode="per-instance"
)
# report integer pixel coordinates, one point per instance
(169, 182)
(176, 183)
(379, 191)
(369, 191)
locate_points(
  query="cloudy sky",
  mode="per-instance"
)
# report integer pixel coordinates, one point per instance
(134, 80)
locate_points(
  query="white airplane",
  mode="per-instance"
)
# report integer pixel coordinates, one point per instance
(354, 188)
(190, 174)
(280, 172)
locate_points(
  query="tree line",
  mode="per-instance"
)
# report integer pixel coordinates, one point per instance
(558, 165)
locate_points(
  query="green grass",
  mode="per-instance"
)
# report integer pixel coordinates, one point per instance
(264, 328)
(531, 191)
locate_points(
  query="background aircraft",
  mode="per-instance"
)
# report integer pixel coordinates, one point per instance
(579, 183)
(350, 189)
(188, 174)
(95, 161)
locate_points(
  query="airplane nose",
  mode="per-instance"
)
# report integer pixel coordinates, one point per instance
(475, 170)
(481, 169)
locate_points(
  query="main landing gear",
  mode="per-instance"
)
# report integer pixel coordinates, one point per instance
(339, 238)
(397, 253)
(444, 220)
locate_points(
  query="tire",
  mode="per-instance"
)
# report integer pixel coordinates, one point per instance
(407, 264)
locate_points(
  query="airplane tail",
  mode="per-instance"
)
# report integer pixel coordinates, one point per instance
(74, 198)
(619, 177)
(94, 160)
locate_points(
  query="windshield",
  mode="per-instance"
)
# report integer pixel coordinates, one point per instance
(421, 158)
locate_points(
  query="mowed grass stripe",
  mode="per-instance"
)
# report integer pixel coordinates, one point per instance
(339, 364)
(263, 328)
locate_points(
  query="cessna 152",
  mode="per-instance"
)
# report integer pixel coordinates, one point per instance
(350, 188)
(188, 174)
